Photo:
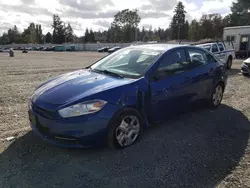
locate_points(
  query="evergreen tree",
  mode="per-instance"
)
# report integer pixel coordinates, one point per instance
(48, 38)
(69, 34)
(177, 25)
(86, 36)
(240, 13)
(58, 30)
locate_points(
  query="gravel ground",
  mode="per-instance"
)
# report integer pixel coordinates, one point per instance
(202, 148)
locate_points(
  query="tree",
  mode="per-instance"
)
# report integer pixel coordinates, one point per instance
(86, 36)
(142, 34)
(91, 36)
(13, 35)
(69, 33)
(240, 14)
(125, 25)
(38, 34)
(32, 33)
(211, 26)
(177, 25)
(109, 35)
(58, 30)
(4, 39)
(185, 30)
(227, 20)
(193, 33)
(48, 38)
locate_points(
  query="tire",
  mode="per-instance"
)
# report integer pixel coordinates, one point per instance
(216, 96)
(229, 62)
(122, 131)
(245, 74)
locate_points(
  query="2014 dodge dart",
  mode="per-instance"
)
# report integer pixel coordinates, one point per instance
(113, 100)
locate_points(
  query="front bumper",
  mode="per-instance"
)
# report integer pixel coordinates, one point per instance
(78, 132)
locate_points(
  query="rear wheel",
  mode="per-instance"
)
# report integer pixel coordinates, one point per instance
(125, 130)
(216, 97)
(229, 62)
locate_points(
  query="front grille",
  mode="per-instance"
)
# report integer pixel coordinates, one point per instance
(42, 112)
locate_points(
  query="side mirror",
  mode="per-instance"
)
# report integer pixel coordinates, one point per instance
(157, 75)
(154, 78)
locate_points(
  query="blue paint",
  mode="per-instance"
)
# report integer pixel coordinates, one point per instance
(155, 100)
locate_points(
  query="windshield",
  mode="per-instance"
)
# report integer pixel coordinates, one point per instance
(206, 47)
(128, 62)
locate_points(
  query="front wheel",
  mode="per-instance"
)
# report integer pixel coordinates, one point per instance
(229, 63)
(216, 97)
(125, 130)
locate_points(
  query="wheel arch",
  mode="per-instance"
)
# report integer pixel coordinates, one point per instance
(230, 57)
(221, 82)
(124, 110)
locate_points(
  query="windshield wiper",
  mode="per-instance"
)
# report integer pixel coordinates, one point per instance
(109, 73)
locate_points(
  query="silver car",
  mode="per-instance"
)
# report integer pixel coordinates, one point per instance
(245, 67)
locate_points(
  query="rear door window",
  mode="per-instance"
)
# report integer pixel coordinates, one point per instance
(215, 48)
(221, 47)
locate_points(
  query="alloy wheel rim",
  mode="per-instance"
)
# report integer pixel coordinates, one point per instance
(128, 130)
(217, 95)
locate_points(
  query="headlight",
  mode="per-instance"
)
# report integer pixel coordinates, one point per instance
(83, 108)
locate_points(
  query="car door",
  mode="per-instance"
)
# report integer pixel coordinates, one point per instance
(222, 54)
(170, 85)
(202, 70)
(215, 50)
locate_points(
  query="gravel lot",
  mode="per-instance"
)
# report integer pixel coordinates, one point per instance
(202, 148)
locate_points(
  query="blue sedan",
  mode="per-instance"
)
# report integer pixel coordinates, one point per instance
(113, 100)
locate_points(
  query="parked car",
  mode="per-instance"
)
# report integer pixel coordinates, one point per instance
(245, 67)
(24, 50)
(111, 50)
(4, 49)
(114, 99)
(220, 51)
(70, 48)
(50, 48)
(103, 49)
(37, 48)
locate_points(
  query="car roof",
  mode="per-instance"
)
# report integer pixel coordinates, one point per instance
(162, 47)
(209, 43)
(205, 44)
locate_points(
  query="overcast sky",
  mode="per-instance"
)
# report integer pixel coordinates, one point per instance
(98, 14)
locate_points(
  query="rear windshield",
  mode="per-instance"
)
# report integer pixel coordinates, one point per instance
(206, 47)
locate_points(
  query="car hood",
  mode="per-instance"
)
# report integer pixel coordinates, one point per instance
(76, 85)
(247, 61)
